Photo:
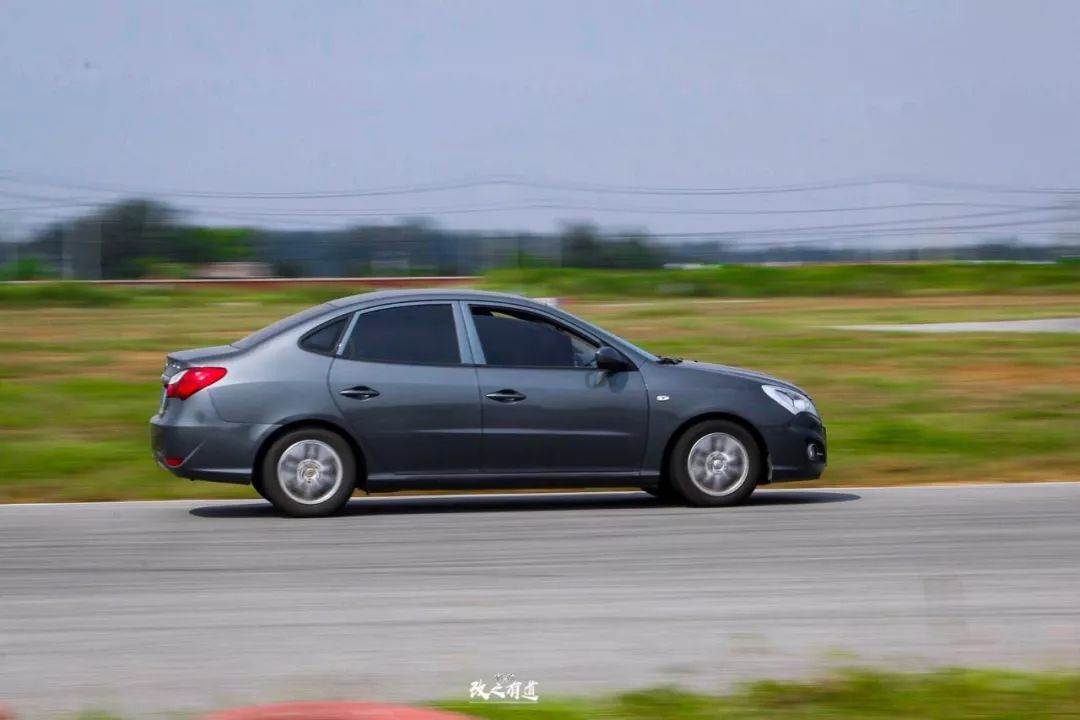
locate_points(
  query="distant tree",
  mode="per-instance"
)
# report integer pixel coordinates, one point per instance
(110, 242)
(211, 244)
(288, 269)
(125, 233)
(581, 246)
(26, 268)
(633, 252)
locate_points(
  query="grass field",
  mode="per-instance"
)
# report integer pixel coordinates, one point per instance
(950, 694)
(78, 384)
(825, 280)
(941, 695)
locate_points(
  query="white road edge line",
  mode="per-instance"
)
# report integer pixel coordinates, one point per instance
(863, 488)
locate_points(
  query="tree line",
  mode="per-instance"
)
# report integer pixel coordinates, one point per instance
(138, 238)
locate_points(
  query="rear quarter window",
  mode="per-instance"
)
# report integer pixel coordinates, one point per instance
(282, 325)
(324, 340)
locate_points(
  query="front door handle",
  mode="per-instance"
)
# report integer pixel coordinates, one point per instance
(505, 396)
(360, 392)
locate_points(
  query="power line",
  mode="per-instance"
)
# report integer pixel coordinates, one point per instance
(546, 205)
(463, 184)
(900, 225)
(904, 223)
(873, 232)
(794, 234)
(328, 234)
(538, 205)
(870, 181)
(51, 206)
(43, 198)
(544, 184)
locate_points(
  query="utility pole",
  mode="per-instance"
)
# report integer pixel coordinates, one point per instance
(65, 252)
(9, 236)
(95, 261)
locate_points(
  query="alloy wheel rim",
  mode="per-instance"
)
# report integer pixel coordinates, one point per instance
(310, 472)
(718, 464)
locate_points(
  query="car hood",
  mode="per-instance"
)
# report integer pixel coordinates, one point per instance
(739, 373)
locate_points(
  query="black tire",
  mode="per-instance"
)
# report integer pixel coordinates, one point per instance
(287, 500)
(742, 486)
(257, 487)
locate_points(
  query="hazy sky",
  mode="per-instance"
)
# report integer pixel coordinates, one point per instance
(231, 96)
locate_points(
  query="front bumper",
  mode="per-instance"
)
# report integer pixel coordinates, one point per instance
(797, 450)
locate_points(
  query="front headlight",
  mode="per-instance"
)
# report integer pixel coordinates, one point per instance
(792, 401)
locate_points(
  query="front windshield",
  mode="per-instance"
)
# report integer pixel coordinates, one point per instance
(281, 325)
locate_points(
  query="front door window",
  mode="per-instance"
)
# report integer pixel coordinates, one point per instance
(512, 338)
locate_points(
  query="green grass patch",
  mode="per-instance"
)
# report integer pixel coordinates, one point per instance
(947, 694)
(90, 295)
(725, 281)
(65, 294)
(867, 280)
(854, 695)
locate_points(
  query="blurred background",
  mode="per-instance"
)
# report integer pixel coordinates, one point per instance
(878, 201)
(740, 182)
(356, 139)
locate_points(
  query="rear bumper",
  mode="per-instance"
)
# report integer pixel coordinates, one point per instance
(218, 451)
(798, 450)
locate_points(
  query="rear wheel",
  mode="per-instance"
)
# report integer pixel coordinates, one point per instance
(715, 463)
(308, 472)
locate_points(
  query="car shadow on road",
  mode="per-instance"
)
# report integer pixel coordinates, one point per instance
(429, 504)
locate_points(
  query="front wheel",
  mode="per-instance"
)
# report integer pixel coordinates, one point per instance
(715, 463)
(663, 493)
(309, 472)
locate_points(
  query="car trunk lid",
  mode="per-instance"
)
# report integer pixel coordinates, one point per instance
(180, 359)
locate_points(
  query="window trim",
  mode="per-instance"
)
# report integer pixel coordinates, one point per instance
(478, 350)
(337, 346)
(464, 351)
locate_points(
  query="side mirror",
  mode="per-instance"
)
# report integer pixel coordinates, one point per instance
(608, 358)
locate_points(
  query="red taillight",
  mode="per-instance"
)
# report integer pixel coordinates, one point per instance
(188, 382)
(173, 461)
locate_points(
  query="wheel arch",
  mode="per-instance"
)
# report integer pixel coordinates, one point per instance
(264, 447)
(669, 447)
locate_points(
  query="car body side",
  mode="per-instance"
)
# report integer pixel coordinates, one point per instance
(220, 433)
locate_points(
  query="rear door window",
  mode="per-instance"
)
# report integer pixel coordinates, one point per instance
(408, 334)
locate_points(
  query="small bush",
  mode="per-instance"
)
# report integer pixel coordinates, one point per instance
(68, 294)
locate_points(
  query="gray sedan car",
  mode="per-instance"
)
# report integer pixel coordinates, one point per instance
(411, 390)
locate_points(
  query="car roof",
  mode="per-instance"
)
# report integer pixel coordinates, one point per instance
(379, 297)
(430, 294)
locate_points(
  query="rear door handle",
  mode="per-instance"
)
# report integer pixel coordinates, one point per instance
(360, 392)
(505, 396)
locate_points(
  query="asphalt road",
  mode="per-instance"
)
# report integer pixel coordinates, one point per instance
(142, 607)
